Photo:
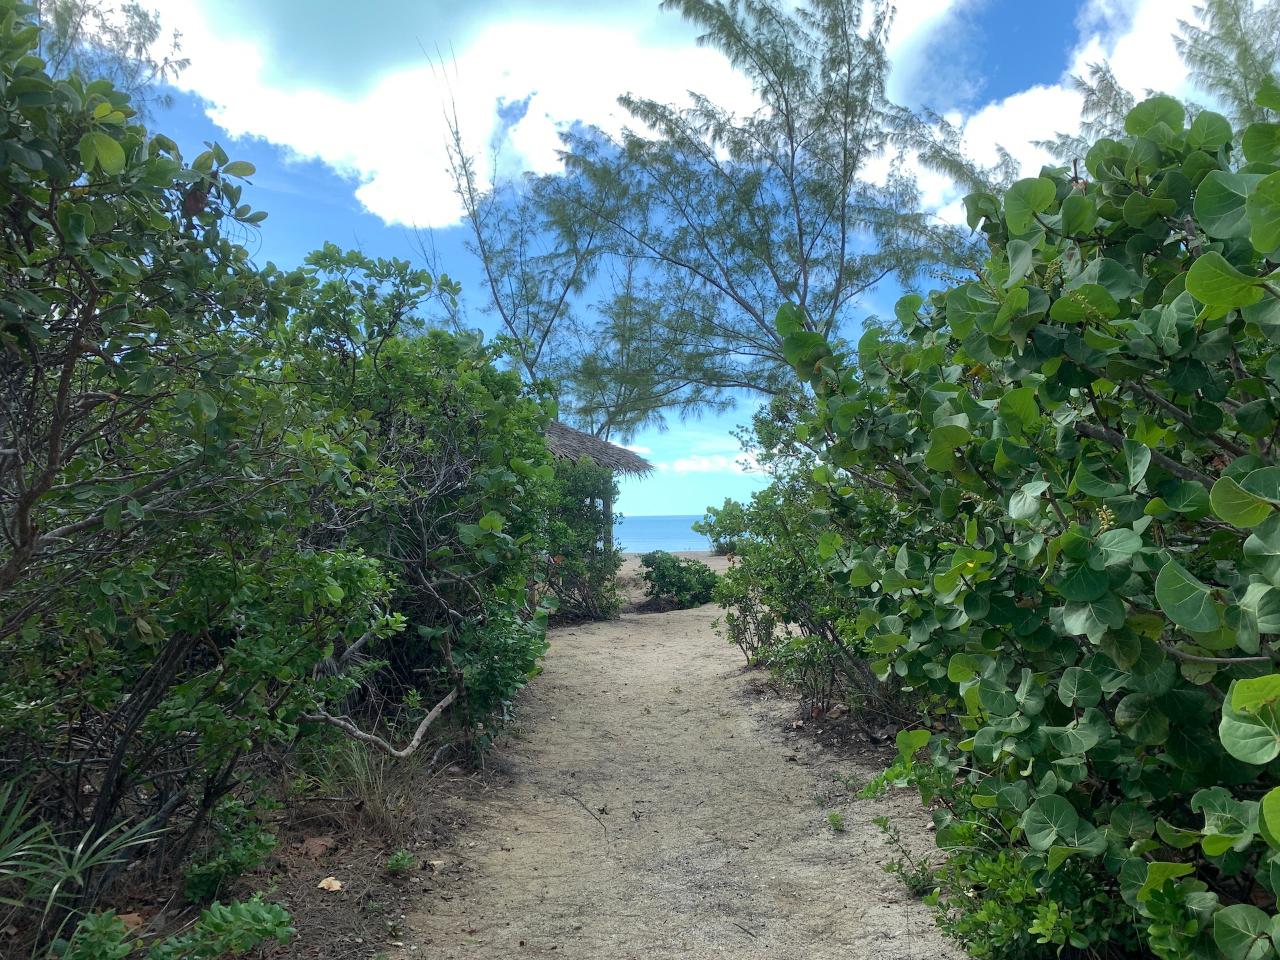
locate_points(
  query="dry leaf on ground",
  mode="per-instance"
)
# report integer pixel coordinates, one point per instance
(317, 847)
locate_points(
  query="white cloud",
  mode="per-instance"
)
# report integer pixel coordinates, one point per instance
(636, 448)
(713, 463)
(392, 138)
(1134, 36)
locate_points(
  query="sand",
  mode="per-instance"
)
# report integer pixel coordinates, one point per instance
(657, 803)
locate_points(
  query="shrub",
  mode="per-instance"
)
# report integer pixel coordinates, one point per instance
(223, 930)
(240, 505)
(725, 526)
(1076, 564)
(681, 582)
(239, 844)
(582, 561)
(400, 863)
(784, 594)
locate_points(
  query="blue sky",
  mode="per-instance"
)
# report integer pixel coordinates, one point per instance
(342, 111)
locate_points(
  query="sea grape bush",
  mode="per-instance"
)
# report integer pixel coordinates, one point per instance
(1078, 566)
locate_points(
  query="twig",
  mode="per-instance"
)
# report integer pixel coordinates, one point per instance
(1117, 440)
(351, 730)
(578, 801)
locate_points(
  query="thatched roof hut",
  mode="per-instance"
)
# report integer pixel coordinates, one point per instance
(567, 443)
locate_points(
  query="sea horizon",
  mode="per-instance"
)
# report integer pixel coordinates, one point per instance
(640, 533)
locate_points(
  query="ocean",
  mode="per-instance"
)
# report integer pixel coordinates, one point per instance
(642, 534)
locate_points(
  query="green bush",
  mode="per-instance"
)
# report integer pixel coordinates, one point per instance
(239, 844)
(680, 582)
(239, 504)
(783, 596)
(223, 930)
(582, 560)
(725, 526)
(400, 863)
(1076, 567)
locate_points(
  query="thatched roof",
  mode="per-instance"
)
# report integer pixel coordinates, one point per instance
(570, 444)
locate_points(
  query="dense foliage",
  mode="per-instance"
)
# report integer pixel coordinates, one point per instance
(1075, 567)
(242, 509)
(582, 560)
(783, 606)
(677, 582)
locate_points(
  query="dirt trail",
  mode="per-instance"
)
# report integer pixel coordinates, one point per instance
(653, 807)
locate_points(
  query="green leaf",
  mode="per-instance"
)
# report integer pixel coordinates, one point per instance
(962, 667)
(1093, 617)
(1209, 131)
(1132, 820)
(1058, 856)
(1019, 410)
(909, 741)
(1083, 583)
(1251, 695)
(1263, 482)
(1250, 737)
(1185, 600)
(1158, 109)
(1048, 819)
(804, 349)
(1137, 458)
(1140, 719)
(1263, 208)
(1262, 548)
(100, 149)
(1117, 546)
(1079, 688)
(943, 442)
(239, 168)
(1021, 256)
(1160, 872)
(788, 320)
(1269, 818)
(1220, 204)
(1241, 932)
(1025, 199)
(1261, 142)
(1261, 603)
(1025, 502)
(1268, 94)
(1139, 209)
(1079, 214)
(1091, 301)
(1089, 483)
(1216, 283)
(1236, 505)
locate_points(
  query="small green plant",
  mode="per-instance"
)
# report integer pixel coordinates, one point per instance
(898, 774)
(240, 844)
(836, 820)
(680, 581)
(223, 930)
(914, 872)
(400, 863)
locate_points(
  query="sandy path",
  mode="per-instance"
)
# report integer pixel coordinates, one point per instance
(652, 807)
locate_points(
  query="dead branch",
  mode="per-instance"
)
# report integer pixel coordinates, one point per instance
(351, 730)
